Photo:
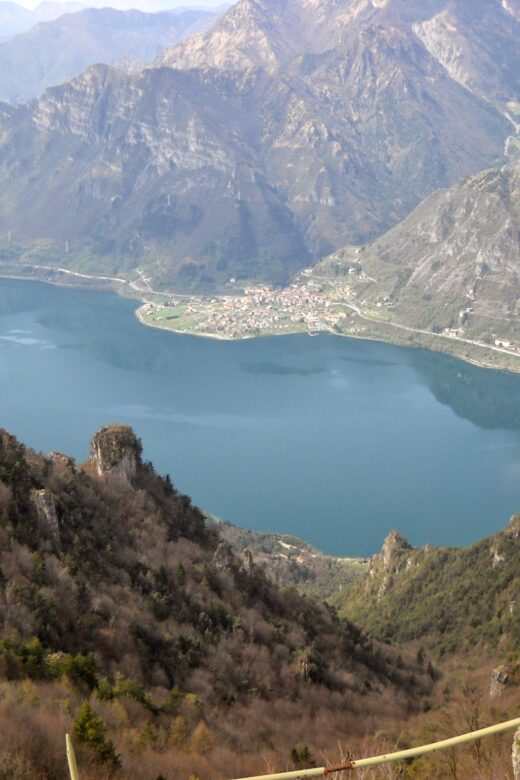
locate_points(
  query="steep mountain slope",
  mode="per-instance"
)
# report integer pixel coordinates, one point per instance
(113, 589)
(156, 171)
(451, 599)
(55, 51)
(475, 43)
(285, 133)
(453, 263)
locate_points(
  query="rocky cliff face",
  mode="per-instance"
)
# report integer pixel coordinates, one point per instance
(287, 132)
(458, 37)
(45, 505)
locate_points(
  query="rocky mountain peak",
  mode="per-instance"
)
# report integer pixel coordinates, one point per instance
(268, 34)
(396, 556)
(116, 450)
(239, 40)
(395, 541)
(389, 560)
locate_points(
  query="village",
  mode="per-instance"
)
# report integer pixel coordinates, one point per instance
(304, 306)
(311, 304)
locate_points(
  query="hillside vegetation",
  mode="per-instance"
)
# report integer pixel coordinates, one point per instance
(124, 618)
(451, 600)
(292, 561)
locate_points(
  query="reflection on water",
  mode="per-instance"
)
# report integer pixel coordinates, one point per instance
(280, 370)
(490, 399)
(336, 440)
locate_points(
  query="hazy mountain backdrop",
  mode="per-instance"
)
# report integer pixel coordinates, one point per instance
(52, 52)
(15, 18)
(286, 132)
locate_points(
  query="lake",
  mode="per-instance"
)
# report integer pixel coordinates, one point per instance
(337, 441)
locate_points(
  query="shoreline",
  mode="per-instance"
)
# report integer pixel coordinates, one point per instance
(356, 337)
(418, 334)
(63, 277)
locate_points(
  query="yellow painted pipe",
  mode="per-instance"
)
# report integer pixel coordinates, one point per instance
(71, 758)
(401, 755)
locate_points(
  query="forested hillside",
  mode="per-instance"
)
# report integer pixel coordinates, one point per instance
(453, 600)
(118, 602)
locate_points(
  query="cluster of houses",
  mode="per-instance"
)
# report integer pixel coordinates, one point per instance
(263, 309)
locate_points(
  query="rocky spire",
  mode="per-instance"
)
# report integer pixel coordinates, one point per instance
(395, 556)
(223, 559)
(391, 556)
(247, 564)
(115, 449)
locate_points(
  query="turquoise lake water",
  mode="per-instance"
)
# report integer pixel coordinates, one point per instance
(334, 440)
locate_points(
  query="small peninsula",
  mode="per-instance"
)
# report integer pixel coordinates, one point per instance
(318, 301)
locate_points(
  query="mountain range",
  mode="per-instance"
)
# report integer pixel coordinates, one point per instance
(15, 18)
(281, 135)
(55, 51)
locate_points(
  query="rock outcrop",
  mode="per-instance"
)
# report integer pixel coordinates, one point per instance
(247, 564)
(447, 597)
(116, 450)
(223, 558)
(499, 679)
(396, 555)
(60, 460)
(45, 506)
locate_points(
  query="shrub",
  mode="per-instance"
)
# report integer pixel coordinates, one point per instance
(90, 730)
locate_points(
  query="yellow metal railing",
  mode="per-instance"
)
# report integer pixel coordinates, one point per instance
(71, 758)
(401, 755)
(387, 758)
